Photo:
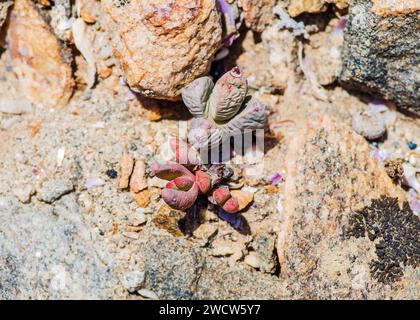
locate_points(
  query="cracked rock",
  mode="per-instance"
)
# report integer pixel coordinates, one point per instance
(54, 189)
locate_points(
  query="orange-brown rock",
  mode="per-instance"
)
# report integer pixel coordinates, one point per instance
(395, 7)
(296, 7)
(163, 45)
(257, 13)
(36, 57)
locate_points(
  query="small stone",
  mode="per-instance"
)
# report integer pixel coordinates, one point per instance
(157, 182)
(244, 198)
(138, 181)
(126, 168)
(139, 218)
(133, 280)
(411, 145)
(205, 232)
(264, 246)
(142, 198)
(368, 125)
(149, 294)
(252, 260)
(24, 194)
(222, 250)
(168, 219)
(112, 173)
(54, 189)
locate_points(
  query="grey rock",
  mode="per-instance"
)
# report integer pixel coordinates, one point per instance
(8, 205)
(381, 55)
(52, 190)
(265, 246)
(219, 280)
(45, 256)
(133, 280)
(173, 266)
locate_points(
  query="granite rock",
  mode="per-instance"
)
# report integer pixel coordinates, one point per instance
(381, 54)
(37, 57)
(178, 46)
(257, 14)
(45, 256)
(332, 175)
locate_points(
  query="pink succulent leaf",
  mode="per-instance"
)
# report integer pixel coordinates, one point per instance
(231, 206)
(180, 200)
(228, 95)
(196, 94)
(221, 195)
(169, 170)
(203, 181)
(253, 116)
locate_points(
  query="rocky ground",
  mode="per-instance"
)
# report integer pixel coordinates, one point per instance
(335, 206)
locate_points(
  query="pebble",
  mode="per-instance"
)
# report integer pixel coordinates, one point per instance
(149, 294)
(205, 232)
(138, 181)
(139, 218)
(411, 145)
(142, 198)
(133, 280)
(112, 173)
(252, 260)
(52, 190)
(368, 125)
(157, 182)
(244, 198)
(222, 251)
(126, 168)
(24, 194)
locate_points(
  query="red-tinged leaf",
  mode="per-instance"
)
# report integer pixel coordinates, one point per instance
(180, 200)
(221, 195)
(184, 183)
(203, 181)
(169, 170)
(231, 206)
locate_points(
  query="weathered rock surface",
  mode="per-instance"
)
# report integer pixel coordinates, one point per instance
(257, 14)
(381, 55)
(4, 7)
(48, 253)
(176, 269)
(37, 58)
(296, 7)
(331, 176)
(395, 7)
(177, 39)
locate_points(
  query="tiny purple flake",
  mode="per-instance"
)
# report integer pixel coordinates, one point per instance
(276, 179)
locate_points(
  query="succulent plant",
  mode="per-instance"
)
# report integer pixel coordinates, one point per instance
(221, 110)
(186, 182)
